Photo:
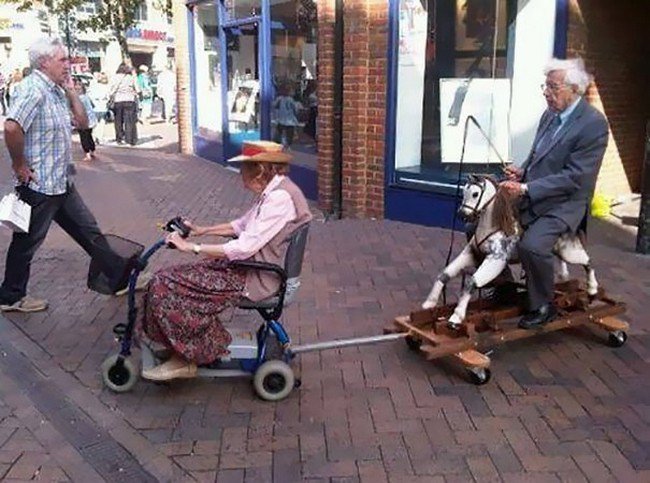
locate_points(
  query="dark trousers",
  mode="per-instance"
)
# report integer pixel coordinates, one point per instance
(310, 127)
(537, 259)
(3, 101)
(69, 212)
(287, 131)
(87, 141)
(126, 117)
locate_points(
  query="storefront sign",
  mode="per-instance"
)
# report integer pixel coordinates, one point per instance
(9, 24)
(146, 34)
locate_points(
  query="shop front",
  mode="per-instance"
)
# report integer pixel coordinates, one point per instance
(253, 76)
(463, 95)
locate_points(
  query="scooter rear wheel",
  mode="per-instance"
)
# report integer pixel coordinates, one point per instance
(273, 380)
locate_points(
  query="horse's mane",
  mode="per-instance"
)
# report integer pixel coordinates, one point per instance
(504, 215)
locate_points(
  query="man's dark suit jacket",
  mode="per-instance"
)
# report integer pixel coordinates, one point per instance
(561, 179)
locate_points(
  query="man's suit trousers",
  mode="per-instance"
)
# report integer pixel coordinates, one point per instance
(537, 259)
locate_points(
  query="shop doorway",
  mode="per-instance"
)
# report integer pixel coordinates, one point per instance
(243, 119)
(140, 58)
(255, 77)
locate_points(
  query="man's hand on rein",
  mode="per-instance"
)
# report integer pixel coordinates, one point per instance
(513, 188)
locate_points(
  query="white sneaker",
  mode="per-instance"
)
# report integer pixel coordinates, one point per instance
(26, 304)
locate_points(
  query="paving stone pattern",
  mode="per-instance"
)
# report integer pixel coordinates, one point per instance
(561, 407)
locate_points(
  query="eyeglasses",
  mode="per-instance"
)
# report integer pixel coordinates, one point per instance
(552, 87)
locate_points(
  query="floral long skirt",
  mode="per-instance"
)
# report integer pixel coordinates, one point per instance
(182, 304)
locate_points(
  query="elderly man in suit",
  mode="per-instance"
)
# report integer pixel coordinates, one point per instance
(557, 180)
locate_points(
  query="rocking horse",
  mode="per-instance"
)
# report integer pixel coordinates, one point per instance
(494, 245)
(460, 331)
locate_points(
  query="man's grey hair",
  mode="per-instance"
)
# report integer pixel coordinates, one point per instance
(575, 73)
(42, 49)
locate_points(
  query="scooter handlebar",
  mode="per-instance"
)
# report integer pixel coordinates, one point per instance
(178, 225)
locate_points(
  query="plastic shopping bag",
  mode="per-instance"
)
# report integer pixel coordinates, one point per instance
(15, 213)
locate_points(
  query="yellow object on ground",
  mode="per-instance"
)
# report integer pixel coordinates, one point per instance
(601, 206)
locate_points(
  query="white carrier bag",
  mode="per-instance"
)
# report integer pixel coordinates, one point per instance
(15, 213)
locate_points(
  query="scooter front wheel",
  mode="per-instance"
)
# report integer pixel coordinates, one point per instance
(273, 380)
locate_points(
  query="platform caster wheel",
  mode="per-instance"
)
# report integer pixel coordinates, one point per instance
(274, 380)
(617, 338)
(479, 375)
(413, 343)
(119, 377)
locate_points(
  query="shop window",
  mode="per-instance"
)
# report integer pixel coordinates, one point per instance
(243, 8)
(88, 8)
(294, 33)
(141, 14)
(208, 78)
(453, 61)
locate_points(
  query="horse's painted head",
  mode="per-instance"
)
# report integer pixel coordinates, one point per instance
(481, 191)
(478, 192)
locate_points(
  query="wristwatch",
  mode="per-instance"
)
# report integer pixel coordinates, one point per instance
(196, 248)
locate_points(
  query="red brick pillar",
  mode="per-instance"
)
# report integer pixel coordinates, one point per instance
(326, 104)
(182, 56)
(364, 105)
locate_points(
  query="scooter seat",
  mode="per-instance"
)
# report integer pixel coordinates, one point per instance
(267, 303)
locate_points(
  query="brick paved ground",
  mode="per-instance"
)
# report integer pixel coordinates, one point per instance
(563, 407)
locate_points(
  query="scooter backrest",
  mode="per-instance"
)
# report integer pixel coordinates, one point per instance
(296, 251)
(293, 261)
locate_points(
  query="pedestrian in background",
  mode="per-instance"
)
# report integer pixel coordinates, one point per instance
(146, 92)
(3, 89)
(166, 90)
(86, 135)
(124, 92)
(98, 93)
(286, 115)
(14, 80)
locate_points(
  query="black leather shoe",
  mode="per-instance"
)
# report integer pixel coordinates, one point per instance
(539, 317)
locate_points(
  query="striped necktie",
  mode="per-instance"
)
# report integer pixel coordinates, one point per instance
(546, 139)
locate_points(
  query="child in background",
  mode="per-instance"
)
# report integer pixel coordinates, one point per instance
(86, 135)
(286, 115)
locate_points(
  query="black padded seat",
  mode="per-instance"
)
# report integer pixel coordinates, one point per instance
(271, 307)
(267, 303)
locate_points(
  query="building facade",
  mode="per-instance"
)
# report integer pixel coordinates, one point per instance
(17, 31)
(150, 42)
(408, 96)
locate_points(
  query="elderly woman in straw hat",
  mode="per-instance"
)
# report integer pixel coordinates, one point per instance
(182, 302)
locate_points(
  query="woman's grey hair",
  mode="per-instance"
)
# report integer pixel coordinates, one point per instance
(574, 72)
(43, 48)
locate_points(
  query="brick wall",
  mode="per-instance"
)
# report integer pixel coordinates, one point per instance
(325, 104)
(364, 105)
(183, 103)
(612, 38)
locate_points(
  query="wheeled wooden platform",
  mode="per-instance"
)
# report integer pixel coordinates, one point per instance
(489, 324)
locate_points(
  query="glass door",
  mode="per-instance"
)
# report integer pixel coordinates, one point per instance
(242, 120)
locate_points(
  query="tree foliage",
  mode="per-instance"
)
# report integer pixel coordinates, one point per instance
(114, 17)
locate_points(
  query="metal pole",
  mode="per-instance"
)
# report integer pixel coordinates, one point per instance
(337, 344)
(68, 42)
(337, 167)
(643, 235)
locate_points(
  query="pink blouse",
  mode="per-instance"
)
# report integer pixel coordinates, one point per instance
(271, 212)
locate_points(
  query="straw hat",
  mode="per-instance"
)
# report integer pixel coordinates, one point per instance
(261, 152)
